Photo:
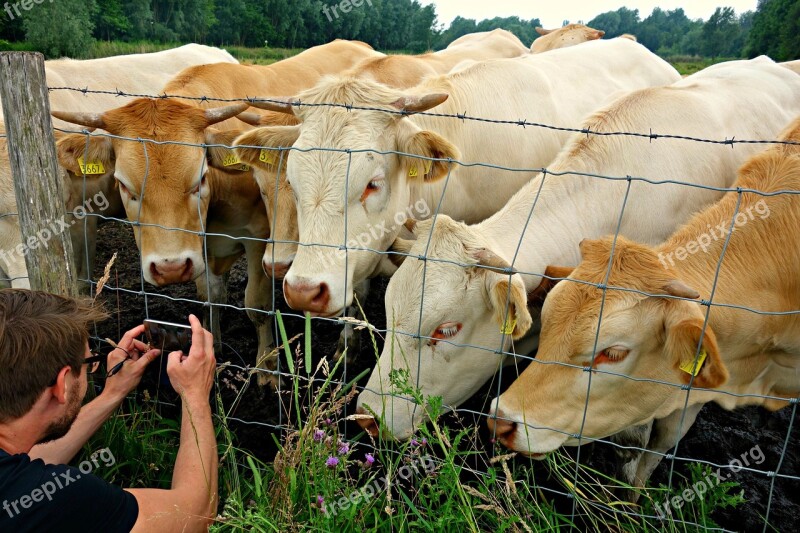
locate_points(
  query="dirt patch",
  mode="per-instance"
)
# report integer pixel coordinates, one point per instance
(718, 436)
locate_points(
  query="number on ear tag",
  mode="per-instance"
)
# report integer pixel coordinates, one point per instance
(267, 156)
(92, 168)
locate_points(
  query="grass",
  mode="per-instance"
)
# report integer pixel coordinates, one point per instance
(320, 481)
(687, 65)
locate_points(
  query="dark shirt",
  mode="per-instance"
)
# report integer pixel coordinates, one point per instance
(35, 496)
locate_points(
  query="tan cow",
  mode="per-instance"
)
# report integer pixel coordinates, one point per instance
(657, 337)
(569, 35)
(383, 188)
(136, 73)
(794, 66)
(172, 195)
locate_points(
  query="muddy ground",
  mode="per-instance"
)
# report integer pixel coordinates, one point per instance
(717, 437)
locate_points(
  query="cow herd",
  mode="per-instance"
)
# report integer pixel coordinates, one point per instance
(316, 168)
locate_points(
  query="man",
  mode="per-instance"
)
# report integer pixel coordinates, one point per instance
(44, 358)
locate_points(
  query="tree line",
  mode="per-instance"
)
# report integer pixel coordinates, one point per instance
(67, 27)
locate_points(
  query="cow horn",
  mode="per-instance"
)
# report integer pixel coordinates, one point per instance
(542, 31)
(92, 120)
(254, 119)
(279, 105)
(218, 114)
(680, 289)
(492, 261)
(417, 104)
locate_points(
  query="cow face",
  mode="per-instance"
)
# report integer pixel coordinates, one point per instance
(461, 307)
(352, 193)
(165, 185)
(648, 338)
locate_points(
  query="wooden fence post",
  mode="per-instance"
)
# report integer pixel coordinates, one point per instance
(38, 181)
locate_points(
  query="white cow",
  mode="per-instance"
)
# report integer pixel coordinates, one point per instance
(382, 188)
(136, 73)
(466, 306)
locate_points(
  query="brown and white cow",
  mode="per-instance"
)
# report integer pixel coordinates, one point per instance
(569, 35)
(135, 73)
(658, 336)
(544, 222)
(358, 190)
(192, 222)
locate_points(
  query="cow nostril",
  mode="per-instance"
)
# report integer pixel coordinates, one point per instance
(323, 294)
(189, 265)
(501, 428)
(370, 425)
(154, 269)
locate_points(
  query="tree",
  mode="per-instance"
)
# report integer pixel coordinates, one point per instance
(721, 33)
(62, 28)
(775, 30)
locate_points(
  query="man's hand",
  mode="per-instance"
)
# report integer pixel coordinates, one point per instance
(193, 375)
(130, 374)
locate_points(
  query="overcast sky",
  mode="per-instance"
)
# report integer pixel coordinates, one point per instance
(553, 12)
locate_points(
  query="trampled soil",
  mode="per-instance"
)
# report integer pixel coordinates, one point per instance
(718, 436)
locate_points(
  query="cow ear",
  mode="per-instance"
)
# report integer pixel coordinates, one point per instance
(431, 146)
(74, 148)
(264, 147)
(542, 31)
(684, 326)
(552, 275)
(509, 307)
(597, 34)
(401, 247)
(220, 150)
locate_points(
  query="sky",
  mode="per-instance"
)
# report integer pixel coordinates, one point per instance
(553, 12)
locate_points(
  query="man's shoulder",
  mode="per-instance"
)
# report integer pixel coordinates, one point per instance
(70, 496)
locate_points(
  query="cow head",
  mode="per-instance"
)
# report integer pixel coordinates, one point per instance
(464, 316)
(652, 339)
(569, 35)
(164, 183)
(351, 189)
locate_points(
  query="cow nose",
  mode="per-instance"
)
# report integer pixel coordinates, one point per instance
(370, 425)
(305, 296)
(277, 270)
(170, 271)
(501, 428)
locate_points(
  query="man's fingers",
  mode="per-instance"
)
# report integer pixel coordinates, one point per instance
(147, 358)
(132, 334)
(139, 345)
(198, 333)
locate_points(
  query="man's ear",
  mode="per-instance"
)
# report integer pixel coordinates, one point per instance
(412, 140)
(60, 389)
(97, 151)
(261, 147)
(553, 274)
(684, 325)
(515, 301)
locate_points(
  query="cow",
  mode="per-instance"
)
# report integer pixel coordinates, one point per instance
(794, 66)
(183, 183)
(362, 158)
(569, 35)
(406, 71)
(136, 73)
(662, 351)
(466, 313)
(399, 71)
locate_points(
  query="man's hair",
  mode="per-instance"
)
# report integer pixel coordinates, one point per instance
(40, 333)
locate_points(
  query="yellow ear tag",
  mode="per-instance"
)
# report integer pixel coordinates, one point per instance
(413, 172)
(267, 156)
(92, 168)
(509, 325)
(232, 160)
(687, 367)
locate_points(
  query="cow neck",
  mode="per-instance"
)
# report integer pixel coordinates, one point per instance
(560, 220)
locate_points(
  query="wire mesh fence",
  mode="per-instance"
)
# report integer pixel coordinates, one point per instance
(245, 364)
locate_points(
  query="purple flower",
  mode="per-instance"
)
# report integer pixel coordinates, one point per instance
(343, 448)
(332, 462)
(318, 435)
(424, 441)
(369, 459)
(327, 421)
(321, 503)
(414, 443)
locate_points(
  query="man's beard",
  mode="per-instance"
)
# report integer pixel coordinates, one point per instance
(61, 427)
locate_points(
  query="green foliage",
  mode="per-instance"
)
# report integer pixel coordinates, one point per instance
(776, 30)
(62, 28)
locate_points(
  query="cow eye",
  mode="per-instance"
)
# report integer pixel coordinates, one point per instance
(444, 331)
(373, 186)
(614, 354)
(126, 192)
(199, 186)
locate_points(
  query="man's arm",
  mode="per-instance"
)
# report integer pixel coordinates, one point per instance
(191, 503)
(96, 412)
